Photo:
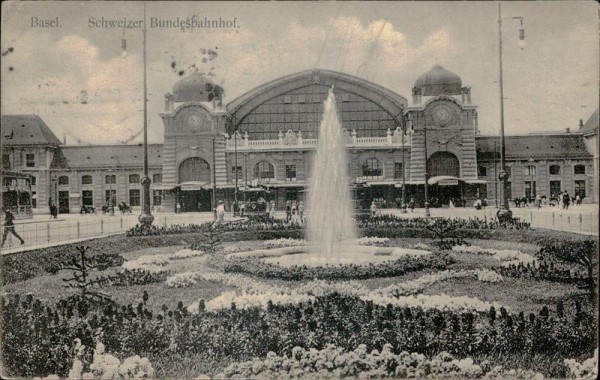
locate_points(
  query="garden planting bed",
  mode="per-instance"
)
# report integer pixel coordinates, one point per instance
(193, 312)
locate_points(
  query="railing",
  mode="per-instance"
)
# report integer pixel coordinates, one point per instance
(41, 234)
(295, 140)
(580, 222)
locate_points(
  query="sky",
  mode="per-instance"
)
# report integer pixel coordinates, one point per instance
(84, 85)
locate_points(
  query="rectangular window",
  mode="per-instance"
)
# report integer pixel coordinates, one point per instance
(87, 198)
(34, 181)
(6, 161)
(33, 199)
(482, 171)
(239, 172)
(554, 189)
(86, 180)
(530, 189)
(111, 197)
(134, 178)
(580, 189)
(157, 178)
(530, 170)
(30, 160)
(579, 169)
(110, 179)
(134, 197)
(554, 169)
(63, 180)
(398, 170)
(157, 197)
(290, 172)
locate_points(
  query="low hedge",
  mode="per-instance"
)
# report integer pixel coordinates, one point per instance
(259, 268)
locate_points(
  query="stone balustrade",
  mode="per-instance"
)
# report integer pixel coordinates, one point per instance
(295, 140)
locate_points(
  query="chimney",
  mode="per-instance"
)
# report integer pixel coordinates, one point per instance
(568, 130)
(64, 138)
(580, 123)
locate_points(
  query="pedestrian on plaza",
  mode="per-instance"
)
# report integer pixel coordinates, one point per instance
(294, 211)
(9, 226)
(560, 200)
(288, 211)
(538, 201)
(577, 200)
(301, 211)
(411, 205)
(373, 208)
(178, 208)
(272, 212)
(221, 212)
(242, 209)
(484, 202)
(566, 200)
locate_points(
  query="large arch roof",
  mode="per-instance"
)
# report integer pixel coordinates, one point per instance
(389, 101)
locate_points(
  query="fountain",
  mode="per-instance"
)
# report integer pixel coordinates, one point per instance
(331, 232)
(329, 219)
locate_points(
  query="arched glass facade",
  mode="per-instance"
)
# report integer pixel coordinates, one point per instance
(301, 110)
(443, 163)
(194, 169)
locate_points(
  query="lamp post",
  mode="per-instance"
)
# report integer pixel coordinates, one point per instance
(214, 180)
(504, 212)
(145, 217)
(110, 195)
(427, 213)
(235, 192)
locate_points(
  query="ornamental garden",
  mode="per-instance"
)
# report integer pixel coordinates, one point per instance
(422, 298)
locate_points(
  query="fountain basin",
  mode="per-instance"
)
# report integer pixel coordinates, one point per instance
(345, 255)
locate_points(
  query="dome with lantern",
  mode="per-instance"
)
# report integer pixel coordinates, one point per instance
(197, 87)
(439, 81)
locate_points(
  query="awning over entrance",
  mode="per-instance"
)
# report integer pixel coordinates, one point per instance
(162, 187)
(443, 180)
(476, 181)
(410, 182)
(194, 185)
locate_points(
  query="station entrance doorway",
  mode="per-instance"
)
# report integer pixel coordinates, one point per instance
(195, 200)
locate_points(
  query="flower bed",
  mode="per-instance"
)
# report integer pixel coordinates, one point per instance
(237, 334)
(505, 256)
(333, 362)
(398, 267)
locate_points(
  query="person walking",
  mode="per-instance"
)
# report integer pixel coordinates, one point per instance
(288, 211)
(566, 200)
(301, 211)
(411, 205)
(9, 226)
(272, 212)
(220, 212)
(560, 200)
(373, 208)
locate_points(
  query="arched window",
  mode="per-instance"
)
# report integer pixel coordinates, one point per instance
(264, 170)
(372, 168)
(87, 180)
(443, 163)
(110, 179)
(63, 180)
(157, 178)
(194, 169)
(134, 178)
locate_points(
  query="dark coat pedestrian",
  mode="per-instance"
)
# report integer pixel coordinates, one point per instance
(9, 227)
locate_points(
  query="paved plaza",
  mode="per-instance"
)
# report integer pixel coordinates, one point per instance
(41, 231)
